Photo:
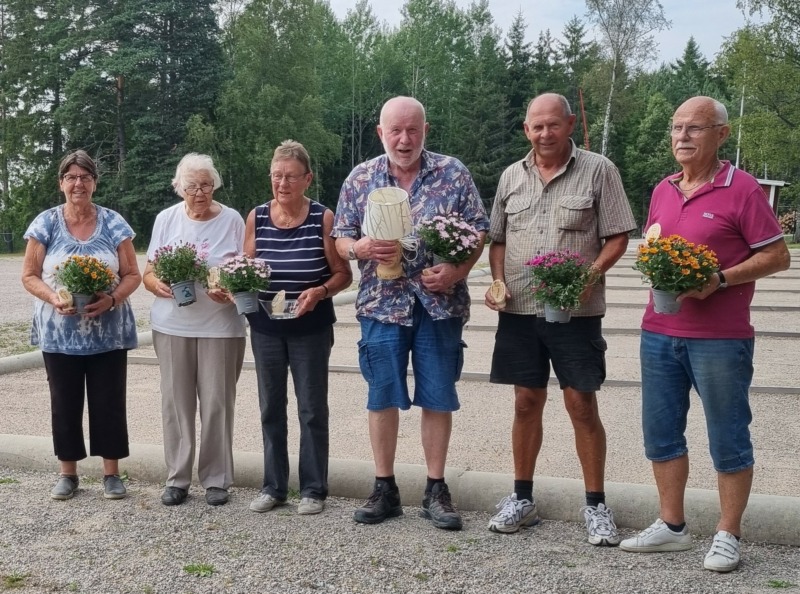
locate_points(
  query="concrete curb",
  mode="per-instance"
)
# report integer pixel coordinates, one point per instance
(769, 518)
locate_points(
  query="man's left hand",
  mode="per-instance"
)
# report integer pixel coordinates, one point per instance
(710, 287)
(441, 277)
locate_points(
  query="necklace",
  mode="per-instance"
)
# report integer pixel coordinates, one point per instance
(703, 181)
(284, 218)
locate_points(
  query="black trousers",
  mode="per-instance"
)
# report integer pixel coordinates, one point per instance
(102, 380)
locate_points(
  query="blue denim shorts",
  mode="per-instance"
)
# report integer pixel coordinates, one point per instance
(437, 356)
(525, 346)
(720, 370)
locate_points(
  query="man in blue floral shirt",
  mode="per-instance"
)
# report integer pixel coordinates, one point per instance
(417, 314)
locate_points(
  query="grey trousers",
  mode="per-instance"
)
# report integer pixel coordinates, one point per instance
(204, 371)
(307, 356)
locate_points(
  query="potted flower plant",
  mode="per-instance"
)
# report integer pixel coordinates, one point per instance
(449, 238)
(180, 266)
(244, 277)
(557, 279)
(83, 277)
(672, 265)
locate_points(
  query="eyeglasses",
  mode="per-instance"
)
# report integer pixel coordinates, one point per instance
(691, 131)
(71, 179)
(193, 190)
(290, 179)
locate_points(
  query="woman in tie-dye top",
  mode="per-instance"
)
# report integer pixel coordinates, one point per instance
(85, 355)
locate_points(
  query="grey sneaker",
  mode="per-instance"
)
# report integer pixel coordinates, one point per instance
(265, 502)
(600, 525)
(309, 506)
(658, 538)
(723, 556)
(513, 515)
(113, 488)
(65, 487)
(438, 508)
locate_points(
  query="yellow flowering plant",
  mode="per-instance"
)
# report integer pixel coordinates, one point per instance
(85, 275)
(674, 264)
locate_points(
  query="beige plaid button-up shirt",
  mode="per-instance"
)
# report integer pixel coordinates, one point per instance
(584, 203)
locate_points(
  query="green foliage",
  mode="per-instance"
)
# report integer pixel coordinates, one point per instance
(199, 569)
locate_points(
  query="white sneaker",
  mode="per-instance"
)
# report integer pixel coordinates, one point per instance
(514, 515)
(658, 538)
(724, 553)
(600, 525)
(309, 506)
(264, 502)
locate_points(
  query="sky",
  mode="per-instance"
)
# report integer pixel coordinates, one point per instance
(709, 21)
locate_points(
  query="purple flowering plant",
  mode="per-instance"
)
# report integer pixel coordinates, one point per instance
(242, 274)
(558, 278)
(183, 262)
(449, 237)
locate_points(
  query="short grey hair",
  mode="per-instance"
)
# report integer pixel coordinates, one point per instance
(561, 99)
(291, 149)
(721, 111)
(194, 163)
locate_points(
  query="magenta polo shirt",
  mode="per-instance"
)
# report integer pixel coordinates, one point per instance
(732, 217)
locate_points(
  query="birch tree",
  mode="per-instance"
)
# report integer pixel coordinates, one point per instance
(626, 28)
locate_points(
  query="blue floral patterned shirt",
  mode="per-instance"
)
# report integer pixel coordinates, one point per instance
(76, 334)
(443, 186)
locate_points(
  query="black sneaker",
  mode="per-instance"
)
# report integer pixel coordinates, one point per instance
(438, 508)
(383, 503)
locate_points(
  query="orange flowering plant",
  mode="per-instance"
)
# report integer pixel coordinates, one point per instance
(675, 264)
(85, 275)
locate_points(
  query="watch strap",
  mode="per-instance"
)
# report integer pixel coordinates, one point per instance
(723, 283)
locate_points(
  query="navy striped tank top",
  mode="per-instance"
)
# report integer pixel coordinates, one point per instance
(297, 259)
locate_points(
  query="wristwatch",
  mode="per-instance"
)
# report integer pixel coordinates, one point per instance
(351, 252)
(723, 284)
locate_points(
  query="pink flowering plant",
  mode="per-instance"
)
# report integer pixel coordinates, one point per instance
(558, 278)
(183, 262)
(242, 274)
(449, 237)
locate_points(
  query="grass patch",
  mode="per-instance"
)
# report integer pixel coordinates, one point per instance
(780, 584)
(199, 569)
(14, 580)
(451, 548)
(8, 481)
(422, 576)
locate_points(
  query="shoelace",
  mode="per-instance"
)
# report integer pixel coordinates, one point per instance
(443, 498)
(507, 507)
(601, 521)
(373, 498)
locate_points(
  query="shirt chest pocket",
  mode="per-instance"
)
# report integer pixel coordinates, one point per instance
(518, 212)
(576, 213)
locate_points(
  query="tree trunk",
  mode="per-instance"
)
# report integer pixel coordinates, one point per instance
(607, 117)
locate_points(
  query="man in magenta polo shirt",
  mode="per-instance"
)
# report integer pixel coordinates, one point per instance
(708, 345)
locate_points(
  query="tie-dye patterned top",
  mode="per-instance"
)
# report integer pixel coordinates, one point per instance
(75, 334)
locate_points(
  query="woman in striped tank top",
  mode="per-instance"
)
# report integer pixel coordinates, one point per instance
(293, 234)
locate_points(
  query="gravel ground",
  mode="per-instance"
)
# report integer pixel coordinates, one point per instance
(89, 544)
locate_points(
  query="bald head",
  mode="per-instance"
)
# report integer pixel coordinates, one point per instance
(549, 101)
(401, 105)
(703, 107)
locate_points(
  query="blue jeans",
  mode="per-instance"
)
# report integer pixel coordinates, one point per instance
(437, 356)
(720, 370)
(307, 356)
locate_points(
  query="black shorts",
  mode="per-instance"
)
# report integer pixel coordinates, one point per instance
(525, 345)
